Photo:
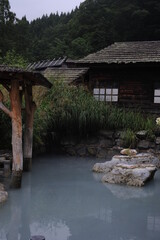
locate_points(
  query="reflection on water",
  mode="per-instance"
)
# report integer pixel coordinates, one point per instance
(63, 200)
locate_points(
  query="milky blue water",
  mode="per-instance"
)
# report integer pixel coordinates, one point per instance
(62, 199)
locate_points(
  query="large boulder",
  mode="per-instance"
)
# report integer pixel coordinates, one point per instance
(133, 175)
(3, 194)
(141, 158)
(132, 170)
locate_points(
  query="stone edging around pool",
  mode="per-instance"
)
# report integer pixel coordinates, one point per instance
(3, 193)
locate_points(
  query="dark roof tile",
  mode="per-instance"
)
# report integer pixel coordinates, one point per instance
(126, 52)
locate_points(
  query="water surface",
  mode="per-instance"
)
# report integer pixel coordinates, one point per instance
(63, 200)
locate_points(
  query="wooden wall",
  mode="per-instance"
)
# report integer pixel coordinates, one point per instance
(136, 85)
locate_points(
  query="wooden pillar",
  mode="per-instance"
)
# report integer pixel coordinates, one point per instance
(17, 164)
(28, 133)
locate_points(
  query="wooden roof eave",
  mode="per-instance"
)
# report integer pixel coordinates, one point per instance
(31, 77)
(37, 79)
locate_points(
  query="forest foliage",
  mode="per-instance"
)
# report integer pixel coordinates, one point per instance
(92, 26)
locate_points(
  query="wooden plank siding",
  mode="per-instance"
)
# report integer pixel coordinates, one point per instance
(136, 86)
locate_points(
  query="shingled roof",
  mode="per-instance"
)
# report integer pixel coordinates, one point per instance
(126, 52)
(68, 75)
(8, 73)
(41, 65)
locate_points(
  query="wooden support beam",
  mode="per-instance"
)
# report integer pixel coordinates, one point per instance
(17, 164)
(30, 108)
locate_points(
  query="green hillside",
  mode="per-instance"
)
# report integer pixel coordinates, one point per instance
(92, 26)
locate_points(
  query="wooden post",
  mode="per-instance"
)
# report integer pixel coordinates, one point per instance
(17, 165)
(15, 115)
(28, 134)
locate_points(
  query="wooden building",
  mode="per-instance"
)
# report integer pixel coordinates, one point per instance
(126, 74)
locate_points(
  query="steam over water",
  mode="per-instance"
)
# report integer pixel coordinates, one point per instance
(62, 199)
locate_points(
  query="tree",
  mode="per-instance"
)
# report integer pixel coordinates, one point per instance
(7, 19)
(13, 59)
(5, 14)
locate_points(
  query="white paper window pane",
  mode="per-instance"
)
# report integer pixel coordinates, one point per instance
(102, 90)
(157, 92)
(114, 98)
(96, 97)
(115, 91)
(101, 97)
(156, 99)
(108, 90)
(108, 98)
(96, 91)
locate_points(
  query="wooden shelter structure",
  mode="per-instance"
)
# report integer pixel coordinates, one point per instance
(125, 74)
(19, 82)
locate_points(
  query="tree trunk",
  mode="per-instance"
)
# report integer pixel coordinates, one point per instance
(17, 165)
(28, 134)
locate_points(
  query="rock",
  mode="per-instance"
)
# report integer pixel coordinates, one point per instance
(119, 142)
(141, 158)
(3, 194)
(1, 187)
(106, 134)
(82, 151)
(152, 145)
(142, 134)
(133, 175)
(92, 150)
(102, 153)
(106, 143)
(158, 140)
(143, 145)
(105, 167)
(71, 151)
(128, 151)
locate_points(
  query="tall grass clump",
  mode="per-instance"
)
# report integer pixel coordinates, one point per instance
(70, 110)
(129, 138)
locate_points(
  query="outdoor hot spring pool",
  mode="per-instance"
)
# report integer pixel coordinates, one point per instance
(62, 199)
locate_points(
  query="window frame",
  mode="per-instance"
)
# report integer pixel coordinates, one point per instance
(156, 94)
(107, 91)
